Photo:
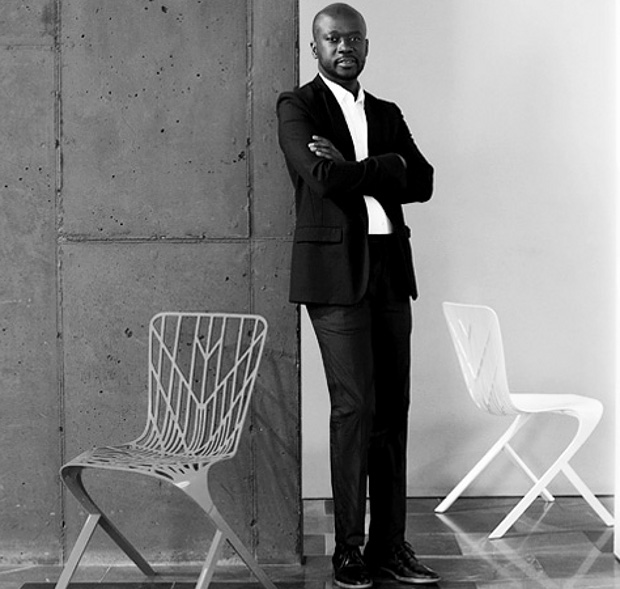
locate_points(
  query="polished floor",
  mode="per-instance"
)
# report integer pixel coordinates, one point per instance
(561, 545)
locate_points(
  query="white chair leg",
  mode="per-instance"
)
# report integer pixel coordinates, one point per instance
(583, 433)
(72, 477)
(546, 495)
(126, 546)
(241, 550)
(78, 551)
(198, 490)
(208, 568)
(590, 497)
(515, 426)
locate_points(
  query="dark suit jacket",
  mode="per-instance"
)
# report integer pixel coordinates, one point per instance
(330, 251)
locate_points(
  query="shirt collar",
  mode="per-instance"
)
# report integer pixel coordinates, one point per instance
(343, 95)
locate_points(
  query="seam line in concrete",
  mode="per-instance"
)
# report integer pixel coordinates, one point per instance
(7, 45)
(74, 240)
(58, 267)
(250, 231)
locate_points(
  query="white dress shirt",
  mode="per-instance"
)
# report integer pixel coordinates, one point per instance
(355, 116)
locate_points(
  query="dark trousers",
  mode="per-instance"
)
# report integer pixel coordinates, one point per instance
(366, 352)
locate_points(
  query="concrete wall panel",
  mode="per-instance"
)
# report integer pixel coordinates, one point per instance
(111, 291)
(154, 118)
(276, 411)
(29, 433)
(273, 203)
(28, 22)
(129, 186)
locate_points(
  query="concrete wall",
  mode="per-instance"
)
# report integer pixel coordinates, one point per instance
(140, 173)
(513, 102)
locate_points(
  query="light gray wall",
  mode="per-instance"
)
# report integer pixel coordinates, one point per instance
(513, 102)
(140, 173)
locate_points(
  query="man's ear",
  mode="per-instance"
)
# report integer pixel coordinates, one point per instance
(313, 49)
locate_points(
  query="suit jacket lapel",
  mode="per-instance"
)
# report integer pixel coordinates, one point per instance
(375, 141)
(337, 123)
(374, 129)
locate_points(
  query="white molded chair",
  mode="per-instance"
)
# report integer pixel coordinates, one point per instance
(477, 340)
(202, 369)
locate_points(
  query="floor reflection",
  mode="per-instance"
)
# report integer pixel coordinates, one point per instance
(555, 545)
(560, 545)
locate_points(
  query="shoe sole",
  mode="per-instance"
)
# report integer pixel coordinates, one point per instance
(348, 586)
(409, 580)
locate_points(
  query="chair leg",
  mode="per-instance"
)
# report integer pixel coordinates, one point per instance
(240, 548)
(206, 574)
(583, 433)
(547, 496)
(469, 478)
(590, 497)
(198, 490)
(72, 478)
(78, 550)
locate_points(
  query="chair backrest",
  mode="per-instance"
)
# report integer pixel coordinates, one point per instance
(477, 340)
(202, 371)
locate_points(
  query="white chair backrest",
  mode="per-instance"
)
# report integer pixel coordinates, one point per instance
(202, 370)
(477, 340)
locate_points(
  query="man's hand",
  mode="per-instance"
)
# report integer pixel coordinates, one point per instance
(322, 147)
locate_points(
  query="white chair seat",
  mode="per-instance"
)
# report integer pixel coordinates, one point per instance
(477, 340)
(133, 458)
(556, 403)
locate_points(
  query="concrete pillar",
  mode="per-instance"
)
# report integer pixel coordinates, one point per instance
(166, 192)
(30, 379)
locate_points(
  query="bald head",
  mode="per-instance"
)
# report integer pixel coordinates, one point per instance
(336, 10)
(340, 44)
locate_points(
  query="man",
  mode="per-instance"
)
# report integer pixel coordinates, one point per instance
(353, 164)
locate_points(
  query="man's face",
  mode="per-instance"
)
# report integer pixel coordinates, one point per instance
(341, 47)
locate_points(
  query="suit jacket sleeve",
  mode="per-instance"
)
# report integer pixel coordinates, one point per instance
(380, 173)
(418, 185)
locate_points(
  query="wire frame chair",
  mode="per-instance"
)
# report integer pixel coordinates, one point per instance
(477, 340)
(202, 368)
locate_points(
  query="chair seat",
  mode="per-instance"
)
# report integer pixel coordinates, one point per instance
(134, 458)
(561, 403)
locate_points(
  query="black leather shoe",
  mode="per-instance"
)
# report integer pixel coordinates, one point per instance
(402, 564)
(350, 570)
